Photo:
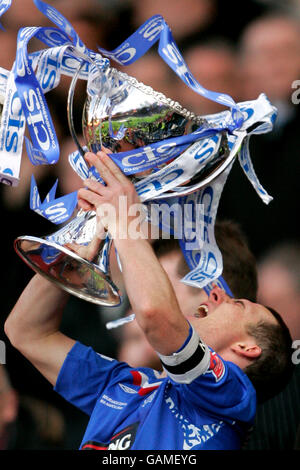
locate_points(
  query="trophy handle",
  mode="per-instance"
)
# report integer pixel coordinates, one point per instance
(70, 109)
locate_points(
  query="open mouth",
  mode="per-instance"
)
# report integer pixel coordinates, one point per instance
(202, 311)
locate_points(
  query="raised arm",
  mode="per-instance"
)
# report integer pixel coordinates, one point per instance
(148, 287)
(33, 327)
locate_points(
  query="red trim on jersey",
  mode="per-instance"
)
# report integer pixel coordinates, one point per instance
(143, 391)
(93, 446)
(137, 378)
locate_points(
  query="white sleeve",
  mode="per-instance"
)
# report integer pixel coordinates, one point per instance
(189, 362)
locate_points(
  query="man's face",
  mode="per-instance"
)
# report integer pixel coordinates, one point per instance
(219, 320)
(222, 321)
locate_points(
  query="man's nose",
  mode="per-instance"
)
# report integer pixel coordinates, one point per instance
(217, 296)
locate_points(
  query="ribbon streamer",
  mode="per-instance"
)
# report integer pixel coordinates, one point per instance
(56, 210)
(4, 5)
(154, 29)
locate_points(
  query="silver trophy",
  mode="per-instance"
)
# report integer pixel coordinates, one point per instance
(124, 114)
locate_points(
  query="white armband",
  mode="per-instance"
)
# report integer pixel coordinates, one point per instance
(190, 362)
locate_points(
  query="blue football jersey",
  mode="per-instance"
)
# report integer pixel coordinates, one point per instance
(203, 402)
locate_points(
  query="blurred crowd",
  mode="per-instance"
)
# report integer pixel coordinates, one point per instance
(242, 49)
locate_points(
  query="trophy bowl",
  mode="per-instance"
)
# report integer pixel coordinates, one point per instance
(128, 115)
(122, 115)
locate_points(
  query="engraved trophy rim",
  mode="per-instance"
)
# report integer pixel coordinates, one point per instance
(132, 81)
(174, 105)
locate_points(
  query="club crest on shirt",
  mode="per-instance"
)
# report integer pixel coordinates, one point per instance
(193, 435)
(216, 366)
(127, 389)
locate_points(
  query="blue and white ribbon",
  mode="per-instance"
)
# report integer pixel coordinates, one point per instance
(62, 23)
(12, 130)
(66, 46)
(205, 260)
(145, 37)
(4, 5)
(56, 210)
(151, 156)
(39, 122)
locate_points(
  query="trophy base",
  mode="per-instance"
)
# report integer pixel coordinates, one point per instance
(68, 271)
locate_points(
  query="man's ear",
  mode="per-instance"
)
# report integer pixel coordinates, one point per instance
(217, 296)
(247, 350)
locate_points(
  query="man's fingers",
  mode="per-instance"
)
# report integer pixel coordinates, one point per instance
(87, 252)
(78, 249)
(107, 168)
(106, 150)
(95, 186)
(86, 206)
(89, 197)
(103, 170)
(113, 167)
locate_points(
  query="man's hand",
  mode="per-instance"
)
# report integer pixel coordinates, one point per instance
(116, 201)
